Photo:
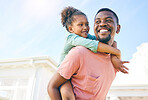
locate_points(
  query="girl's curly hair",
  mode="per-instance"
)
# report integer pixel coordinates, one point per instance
(67, 16)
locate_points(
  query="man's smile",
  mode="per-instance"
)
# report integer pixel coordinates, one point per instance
(104, 31)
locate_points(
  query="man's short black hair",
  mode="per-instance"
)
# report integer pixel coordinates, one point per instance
(107, 9)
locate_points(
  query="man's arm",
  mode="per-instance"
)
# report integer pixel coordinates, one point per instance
(67, 68)
(53, 86)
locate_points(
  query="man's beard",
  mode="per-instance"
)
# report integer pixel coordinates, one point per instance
(104, 40)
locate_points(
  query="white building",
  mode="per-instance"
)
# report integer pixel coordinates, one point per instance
(25, 78)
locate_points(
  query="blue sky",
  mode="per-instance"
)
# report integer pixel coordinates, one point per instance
(33, 27)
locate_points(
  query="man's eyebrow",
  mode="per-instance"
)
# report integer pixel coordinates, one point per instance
(109, 17)
(97, 18)
(105, 18)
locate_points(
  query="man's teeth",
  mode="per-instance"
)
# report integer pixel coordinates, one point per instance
(103, 31)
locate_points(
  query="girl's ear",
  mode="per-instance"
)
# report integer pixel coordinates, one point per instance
(70, 29)
(118, 29)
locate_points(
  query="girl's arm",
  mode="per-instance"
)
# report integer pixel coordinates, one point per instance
(102, 47)
(118, 63)
(53, 86)
(93, 45)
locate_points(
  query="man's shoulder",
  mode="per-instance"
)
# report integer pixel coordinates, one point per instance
(77, 52)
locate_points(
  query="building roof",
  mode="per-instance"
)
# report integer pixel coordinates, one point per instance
(16, 62)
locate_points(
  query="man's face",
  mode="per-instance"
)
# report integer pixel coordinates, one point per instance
(105, 26)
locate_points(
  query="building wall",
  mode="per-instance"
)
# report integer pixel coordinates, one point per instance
(25, 79)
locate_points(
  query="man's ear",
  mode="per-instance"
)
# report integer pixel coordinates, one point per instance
(70, 29)
(118, 29)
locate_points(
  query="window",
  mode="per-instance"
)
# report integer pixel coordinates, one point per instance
(15, 88)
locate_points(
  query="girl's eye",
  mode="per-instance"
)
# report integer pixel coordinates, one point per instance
(80, 24)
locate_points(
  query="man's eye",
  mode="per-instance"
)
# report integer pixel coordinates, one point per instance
(108, 20)
(97, 22)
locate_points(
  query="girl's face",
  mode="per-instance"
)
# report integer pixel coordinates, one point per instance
(80, 26)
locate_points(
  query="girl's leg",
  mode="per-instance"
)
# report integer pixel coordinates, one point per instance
(67, 91)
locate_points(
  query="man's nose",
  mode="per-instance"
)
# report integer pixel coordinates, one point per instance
(103, 23)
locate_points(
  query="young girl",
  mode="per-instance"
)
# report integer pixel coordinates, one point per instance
(77, 25)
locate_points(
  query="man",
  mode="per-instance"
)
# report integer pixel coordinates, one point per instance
(91, 73)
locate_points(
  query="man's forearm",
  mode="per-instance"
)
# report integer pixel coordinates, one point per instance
(53, 85)
(102, 47)
(54, 94)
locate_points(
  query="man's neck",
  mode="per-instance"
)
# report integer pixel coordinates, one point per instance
(110, 42)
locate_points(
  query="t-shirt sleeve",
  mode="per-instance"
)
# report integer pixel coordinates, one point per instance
(92, 37)
(70, 64)
(76, 40)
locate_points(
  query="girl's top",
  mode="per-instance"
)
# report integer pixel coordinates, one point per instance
(73, 40)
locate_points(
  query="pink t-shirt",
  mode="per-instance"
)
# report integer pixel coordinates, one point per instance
(92, 73)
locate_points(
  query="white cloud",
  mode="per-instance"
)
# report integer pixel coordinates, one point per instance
(5, 39)
(138, 68)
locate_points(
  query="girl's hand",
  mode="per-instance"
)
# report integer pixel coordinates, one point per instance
(119, 65)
